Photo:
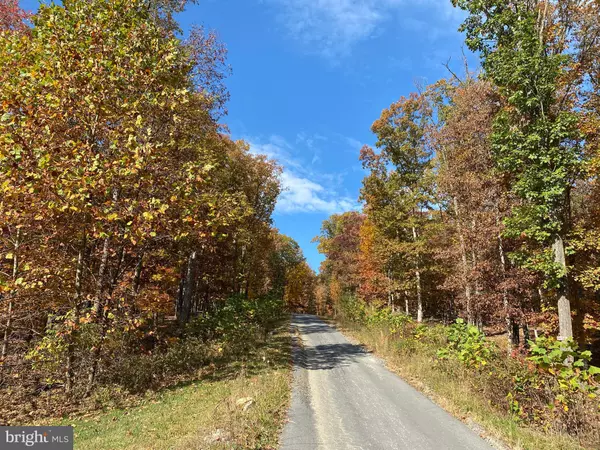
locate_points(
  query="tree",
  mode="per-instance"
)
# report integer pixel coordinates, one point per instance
(12, 17)
(398, 200)
(339, 241)
(300, 287)
(536, 141)
(123, 201)
(481, 275)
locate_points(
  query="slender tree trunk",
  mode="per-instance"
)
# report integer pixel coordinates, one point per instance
(389, 283)
(137, 278)
(9, 310)
(7, 332)
(464, 260)
(565, 323)
(513, 338)
(476, 318)
(418, 282)
(406, 308)
(101, 274)
(188, 290)
(76, 300)
(115, 278)
(100, 317)
(96, 352)
(507, 318)
(99, 313)
(234, 281)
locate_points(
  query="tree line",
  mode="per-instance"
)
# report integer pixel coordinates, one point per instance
(126, 210)
(481, 195)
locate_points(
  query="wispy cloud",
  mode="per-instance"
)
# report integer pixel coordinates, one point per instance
(333, 27)
(303, 195)
(354, 143)
(304, 189)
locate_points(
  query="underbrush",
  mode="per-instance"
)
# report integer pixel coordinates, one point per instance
(236, 404)
(140, 358)
(542, 398)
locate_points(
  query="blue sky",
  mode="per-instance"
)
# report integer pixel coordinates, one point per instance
(311, 76)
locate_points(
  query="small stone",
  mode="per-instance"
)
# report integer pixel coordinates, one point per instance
(245, 403)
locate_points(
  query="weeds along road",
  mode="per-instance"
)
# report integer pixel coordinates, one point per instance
(345, 398)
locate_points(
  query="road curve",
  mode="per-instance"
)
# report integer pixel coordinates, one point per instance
(345, 398)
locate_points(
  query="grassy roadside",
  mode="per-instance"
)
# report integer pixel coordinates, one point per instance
(205, 414)
(454, 393)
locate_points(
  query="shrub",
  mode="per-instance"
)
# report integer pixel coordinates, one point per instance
(568, 365)
(467, 344)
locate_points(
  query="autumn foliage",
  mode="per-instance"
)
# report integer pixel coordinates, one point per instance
(480, 199)
(127, 213)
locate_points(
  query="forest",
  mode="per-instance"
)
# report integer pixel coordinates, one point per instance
(481, 202)
(138, 248)
(133, 230)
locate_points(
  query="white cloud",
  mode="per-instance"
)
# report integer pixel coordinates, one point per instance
(332, 27)
(303, 195)
(304, 191)
(276, 148)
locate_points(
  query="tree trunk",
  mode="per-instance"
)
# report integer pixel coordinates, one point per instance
(96, 352)
(71, 346)
(100, 280)
(418, 283)
(234, 280)
(9, 311)
(138, 274)
(476, 318)
(389, 284)
(465, 264)
(565, 323)
(137, 281)
(513, 337)
(7, 332)
(98, 311)
(187, 290)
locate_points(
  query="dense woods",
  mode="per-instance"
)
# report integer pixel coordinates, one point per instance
(481, 201)
(481, 195)
(133, 229)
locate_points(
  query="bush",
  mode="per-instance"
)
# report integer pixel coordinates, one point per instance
(467, 344)
(139, 355)
(568, 366)
(358, 311)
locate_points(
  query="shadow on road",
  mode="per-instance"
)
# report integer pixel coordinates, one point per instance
(324, 356)
(308, 324)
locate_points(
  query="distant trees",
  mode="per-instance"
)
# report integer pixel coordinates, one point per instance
(339, 242)
(124, 204)
(480, 200)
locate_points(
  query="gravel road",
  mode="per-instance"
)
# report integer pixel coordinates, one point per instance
(344, 398)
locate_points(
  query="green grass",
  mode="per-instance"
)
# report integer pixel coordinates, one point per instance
(203, 414)
(456, 395)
